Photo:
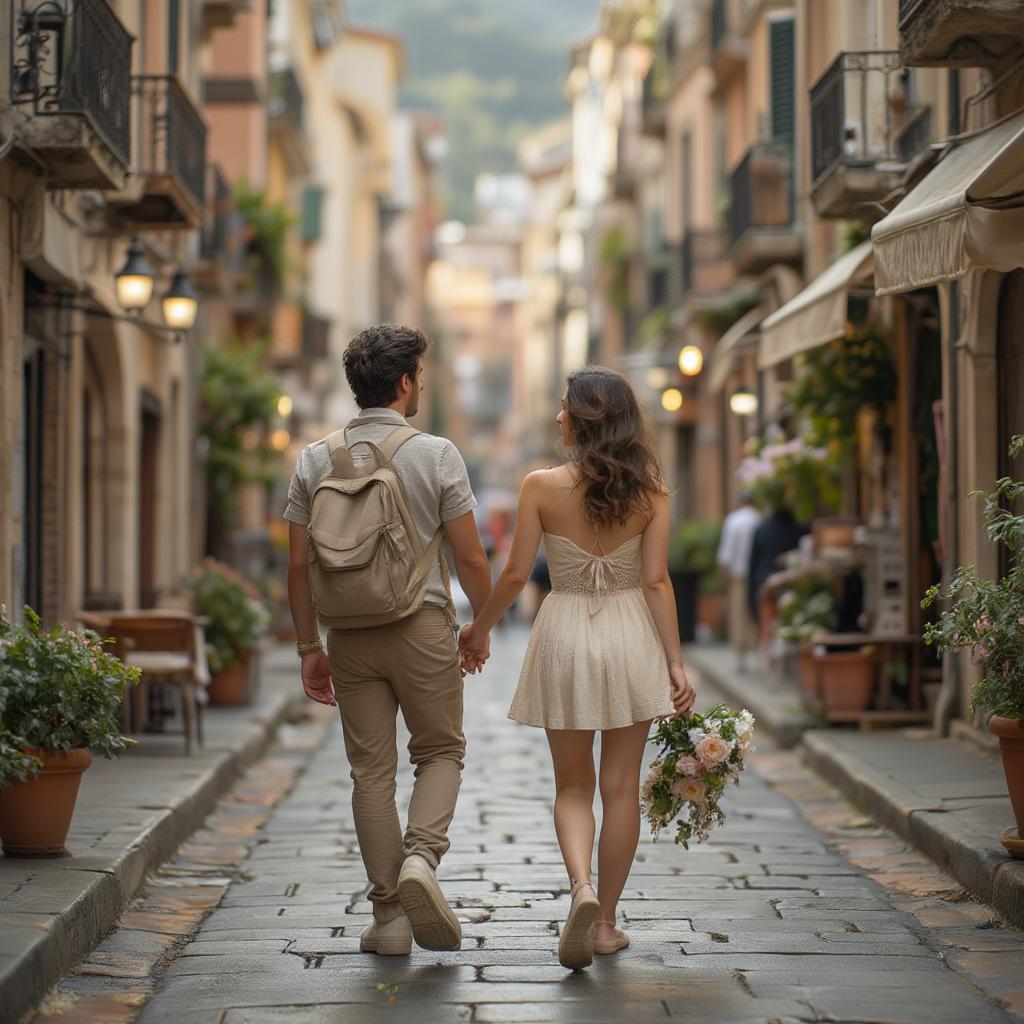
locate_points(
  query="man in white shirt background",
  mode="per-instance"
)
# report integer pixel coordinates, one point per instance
(734, 560)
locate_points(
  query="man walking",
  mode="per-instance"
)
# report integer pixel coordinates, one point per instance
(734, 560)
(412, 664)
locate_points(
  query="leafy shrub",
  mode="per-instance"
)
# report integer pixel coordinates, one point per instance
(59, 689)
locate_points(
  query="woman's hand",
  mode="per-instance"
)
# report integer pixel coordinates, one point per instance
(474, 648)
(683, 695)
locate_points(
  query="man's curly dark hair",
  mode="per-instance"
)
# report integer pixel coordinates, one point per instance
(376, 360)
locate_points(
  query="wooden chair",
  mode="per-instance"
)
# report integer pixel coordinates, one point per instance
(165, 649)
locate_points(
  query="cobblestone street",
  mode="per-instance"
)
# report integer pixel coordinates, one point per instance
(799, 909)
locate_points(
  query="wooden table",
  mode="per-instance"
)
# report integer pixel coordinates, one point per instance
(886, 715)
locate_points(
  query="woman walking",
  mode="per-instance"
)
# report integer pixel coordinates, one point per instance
(604, 654)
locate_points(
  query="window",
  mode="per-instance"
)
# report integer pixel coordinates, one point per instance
(312, 212)
(782, 80)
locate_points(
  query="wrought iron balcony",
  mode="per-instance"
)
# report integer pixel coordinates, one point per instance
(960, 33)
(170, 157)
(858, 111)
(760, 220)
(704, 269)
(71, 65)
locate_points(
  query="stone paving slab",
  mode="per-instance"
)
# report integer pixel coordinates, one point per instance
(131, 814)
(893, 775)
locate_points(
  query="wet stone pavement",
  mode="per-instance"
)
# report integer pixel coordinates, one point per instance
(799, 909)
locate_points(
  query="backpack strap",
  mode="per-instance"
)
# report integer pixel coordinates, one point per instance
(396, 439)
(342, 465)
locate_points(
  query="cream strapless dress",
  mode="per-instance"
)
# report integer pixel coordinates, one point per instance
(594, 659)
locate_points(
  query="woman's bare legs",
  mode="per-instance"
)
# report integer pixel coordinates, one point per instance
(572, 752)
(622, 752)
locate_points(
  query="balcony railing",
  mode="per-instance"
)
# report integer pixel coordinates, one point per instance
(74, 57)
(701, 258)
(761, 193)
(285, 97)
(858, 108)
(172, 135)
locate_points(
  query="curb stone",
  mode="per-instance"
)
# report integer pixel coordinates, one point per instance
(979, 866)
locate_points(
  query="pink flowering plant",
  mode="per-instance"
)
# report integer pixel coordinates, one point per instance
(59, 689)
(700, 754)
(986, 616)
(791, 474)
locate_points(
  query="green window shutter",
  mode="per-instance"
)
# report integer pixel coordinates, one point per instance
(312, 212)
(782, 80)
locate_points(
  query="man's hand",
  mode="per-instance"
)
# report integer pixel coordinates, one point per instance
(474, 648)
(316, 678)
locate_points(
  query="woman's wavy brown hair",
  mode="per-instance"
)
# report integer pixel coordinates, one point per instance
(614, 450)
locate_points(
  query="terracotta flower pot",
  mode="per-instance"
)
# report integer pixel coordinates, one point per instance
(35, 815)
(229, 687)
(1011, 745)
(846, 679)
(808, 673)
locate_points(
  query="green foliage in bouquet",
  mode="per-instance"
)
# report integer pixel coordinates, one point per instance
(806, 605)
(837, 380)
(986, 616)
(237, 616)
(693, 547)
(59, 689)
(698, 756)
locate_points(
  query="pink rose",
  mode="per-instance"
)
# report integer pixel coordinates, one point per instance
(689, 790)
(687, 766)
(713, 750)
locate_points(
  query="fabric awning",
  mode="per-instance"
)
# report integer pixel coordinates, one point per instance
(968, 211)
(818, 314)
(724, 351)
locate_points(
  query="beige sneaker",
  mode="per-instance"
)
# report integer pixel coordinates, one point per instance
(434, 926)
(387, 938)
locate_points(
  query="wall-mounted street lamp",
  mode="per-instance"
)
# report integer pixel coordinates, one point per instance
(743, 402)
(691, 360)
(180, 302)
(134, 284)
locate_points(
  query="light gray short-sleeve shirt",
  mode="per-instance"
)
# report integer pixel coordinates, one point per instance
(431, 469)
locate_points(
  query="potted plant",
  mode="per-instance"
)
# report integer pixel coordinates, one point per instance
(691, 563)
(806, 605)
(986, 618)
(237, 619)
(61, 695)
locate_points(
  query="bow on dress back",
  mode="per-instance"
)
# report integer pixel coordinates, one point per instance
(591, 574)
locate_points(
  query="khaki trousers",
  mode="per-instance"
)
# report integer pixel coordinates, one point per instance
(742, 628)
(410, 665)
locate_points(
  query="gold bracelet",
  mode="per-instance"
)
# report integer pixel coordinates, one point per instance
(308, 646)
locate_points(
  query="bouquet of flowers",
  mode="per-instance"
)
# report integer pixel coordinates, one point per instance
(699, 756)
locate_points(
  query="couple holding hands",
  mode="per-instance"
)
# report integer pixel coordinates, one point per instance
(603, 656)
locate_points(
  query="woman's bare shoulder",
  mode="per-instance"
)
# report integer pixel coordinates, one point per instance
(550, 478)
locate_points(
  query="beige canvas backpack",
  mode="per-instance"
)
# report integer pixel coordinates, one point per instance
(367, 563)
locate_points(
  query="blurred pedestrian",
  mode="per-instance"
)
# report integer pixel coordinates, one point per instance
(733, 559)
(776, 534)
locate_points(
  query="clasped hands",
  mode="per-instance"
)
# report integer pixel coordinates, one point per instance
(474, 648)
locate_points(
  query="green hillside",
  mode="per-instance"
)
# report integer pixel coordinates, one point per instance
(493, 68)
